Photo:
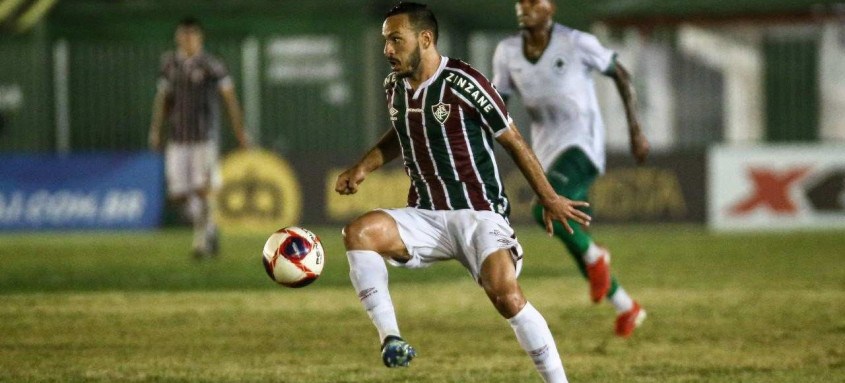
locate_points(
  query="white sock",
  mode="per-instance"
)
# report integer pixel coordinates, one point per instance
(592, 254)
(621, 301)
(200, 212)
(536, 339)
(210, 224)
(369, 278)
(193, 204)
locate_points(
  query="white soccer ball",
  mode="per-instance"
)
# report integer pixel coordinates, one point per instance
(293, 257)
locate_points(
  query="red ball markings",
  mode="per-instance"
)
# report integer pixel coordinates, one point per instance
(293, 248)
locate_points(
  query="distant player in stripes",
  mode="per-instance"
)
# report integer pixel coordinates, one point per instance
(551, 66)
(446, 117)
(191, 82)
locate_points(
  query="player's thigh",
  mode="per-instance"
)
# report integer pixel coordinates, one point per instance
(572, 174)
(498, 272)
(498, 279)
(478, 234)
(216, 177)
(177, 166)
(376, 231)
(425, 236)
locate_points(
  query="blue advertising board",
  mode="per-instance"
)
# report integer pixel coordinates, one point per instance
(81, 191)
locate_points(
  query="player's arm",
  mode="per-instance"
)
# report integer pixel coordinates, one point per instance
(556, 207)
(501, 75)
(639, 143)
(383, 152)
(160, 110)
(235, 113)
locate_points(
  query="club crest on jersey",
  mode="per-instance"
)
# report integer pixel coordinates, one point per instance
(441, 112)
(559, 64)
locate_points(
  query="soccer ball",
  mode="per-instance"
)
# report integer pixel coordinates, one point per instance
(293, 257)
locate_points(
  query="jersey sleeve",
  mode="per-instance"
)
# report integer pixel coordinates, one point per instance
(594, 54)
(480, 93)
(220, 73)
(501, 75)
(163, 83)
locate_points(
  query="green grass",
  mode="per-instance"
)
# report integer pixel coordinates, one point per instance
(107, 307)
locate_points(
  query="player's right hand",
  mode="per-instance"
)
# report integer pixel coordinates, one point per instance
(563, 209)
(640, 147)
(348, 181)
(244, 140)
(155, 142)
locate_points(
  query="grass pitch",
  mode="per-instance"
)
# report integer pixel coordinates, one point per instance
(108, 307)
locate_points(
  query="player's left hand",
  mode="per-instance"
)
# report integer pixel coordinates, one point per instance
(154, 141)
(348, 181)
(640, 147)
(563, 209)
(244, 140)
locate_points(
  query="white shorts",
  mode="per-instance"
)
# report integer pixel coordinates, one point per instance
(191, 167)
(467, 236)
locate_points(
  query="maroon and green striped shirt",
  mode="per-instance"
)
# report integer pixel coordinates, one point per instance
(446, 129)
(192, 86)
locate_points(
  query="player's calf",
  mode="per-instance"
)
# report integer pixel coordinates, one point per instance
(598, 272)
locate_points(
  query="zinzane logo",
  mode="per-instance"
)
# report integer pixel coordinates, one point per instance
(441, 112)
(468, 88)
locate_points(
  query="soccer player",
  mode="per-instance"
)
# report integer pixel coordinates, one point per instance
(551, 67)
(445, 116)
(191, 82)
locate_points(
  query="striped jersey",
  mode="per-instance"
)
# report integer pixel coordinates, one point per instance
(446, 128)
(558, 91)
(191, 85)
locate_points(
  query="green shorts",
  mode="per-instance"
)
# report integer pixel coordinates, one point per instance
(572, 174)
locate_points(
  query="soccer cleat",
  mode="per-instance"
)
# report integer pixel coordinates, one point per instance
(630, 320)
(395, 352)
(599, 274)
(200, 254)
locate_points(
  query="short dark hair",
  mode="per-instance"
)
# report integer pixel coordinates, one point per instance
(419, 15)
(190, 22)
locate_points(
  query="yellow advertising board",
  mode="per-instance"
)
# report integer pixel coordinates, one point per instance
(260, 193)
(386, 188)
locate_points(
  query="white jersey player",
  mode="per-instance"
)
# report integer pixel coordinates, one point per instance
(552, 67)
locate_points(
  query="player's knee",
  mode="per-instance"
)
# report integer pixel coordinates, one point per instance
(508, 302)
(202, 192)
(354, 234)
(363, 233)
(178, 199)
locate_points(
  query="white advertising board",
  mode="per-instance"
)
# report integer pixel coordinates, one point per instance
(776, 187)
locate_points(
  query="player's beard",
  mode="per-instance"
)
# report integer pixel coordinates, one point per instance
(413, 64)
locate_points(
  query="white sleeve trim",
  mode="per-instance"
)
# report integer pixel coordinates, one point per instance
(502, 131)
(163, 85)
(226, 83)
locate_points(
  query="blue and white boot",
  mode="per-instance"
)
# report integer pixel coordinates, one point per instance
(395, 352)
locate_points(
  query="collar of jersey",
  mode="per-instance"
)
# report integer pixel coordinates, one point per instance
(427, 82)
(552, 31)
(181, 56)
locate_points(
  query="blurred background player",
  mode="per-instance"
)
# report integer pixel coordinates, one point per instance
(551, 66)
(445, 116)
(191, 82)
